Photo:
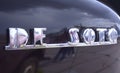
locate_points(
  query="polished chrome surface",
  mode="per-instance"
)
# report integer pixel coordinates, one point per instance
(101, 34)
(38, 35)
(73, 32)
(60, 45)
(18, 37)
(89, 36)
(112, 35)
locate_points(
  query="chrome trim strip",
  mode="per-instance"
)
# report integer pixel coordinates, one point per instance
(60, 45)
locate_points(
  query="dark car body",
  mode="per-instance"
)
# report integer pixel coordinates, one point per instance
(58, 16)
(114, 4)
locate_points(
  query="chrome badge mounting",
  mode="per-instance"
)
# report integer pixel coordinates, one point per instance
(19, 38)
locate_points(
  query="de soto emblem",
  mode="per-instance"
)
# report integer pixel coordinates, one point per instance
(18, 38)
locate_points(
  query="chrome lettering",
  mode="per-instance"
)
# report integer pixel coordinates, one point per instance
(74, 35)
(38, 35)
(101, 32)
(89, 36)
(112, 35)
(18, 37)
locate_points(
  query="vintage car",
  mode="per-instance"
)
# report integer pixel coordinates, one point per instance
(58, 36)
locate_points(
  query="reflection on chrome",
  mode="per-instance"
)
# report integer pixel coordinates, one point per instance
(89, 35)
(73, 32)
(38, 35)
(112, 35)
(19, 38)
(101, 34)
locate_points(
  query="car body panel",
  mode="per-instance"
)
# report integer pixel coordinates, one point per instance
(58, 16)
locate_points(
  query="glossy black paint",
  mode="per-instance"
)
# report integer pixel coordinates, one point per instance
(57, 16)
(114, 4)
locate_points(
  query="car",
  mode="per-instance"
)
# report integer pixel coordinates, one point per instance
(58, 36)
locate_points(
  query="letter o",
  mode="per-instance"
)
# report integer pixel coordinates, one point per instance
(88, 35)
